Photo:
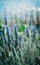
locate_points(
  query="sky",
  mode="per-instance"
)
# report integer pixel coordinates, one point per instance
(17, 6)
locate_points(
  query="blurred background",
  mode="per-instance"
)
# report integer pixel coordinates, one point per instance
(19, 32)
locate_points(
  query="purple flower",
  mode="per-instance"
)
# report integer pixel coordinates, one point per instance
(4, 45)
(7, 28)
(26, 29)
(15, 27)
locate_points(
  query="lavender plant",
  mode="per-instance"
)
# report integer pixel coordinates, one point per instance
(23, 50)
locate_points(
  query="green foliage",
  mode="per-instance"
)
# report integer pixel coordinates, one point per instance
(24, 53)
(21, 28)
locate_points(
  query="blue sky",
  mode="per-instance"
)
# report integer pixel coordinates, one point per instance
(3, 2)
(15, 6)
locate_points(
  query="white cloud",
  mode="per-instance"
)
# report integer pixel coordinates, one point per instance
(17, 8)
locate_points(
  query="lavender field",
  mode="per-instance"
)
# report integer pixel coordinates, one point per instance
(19, 34)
